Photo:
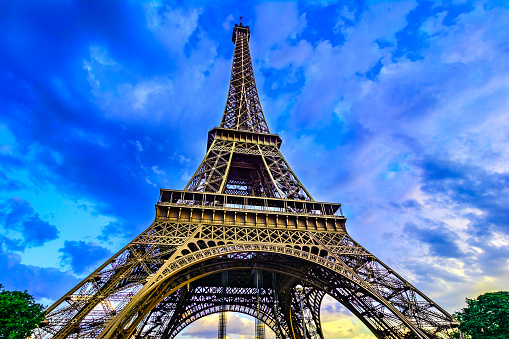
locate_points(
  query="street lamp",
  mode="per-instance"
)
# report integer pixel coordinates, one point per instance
(299, 289)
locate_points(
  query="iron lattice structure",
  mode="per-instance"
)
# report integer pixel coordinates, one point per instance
(240, 237)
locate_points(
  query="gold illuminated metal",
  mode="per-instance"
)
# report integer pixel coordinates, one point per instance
(243, 211)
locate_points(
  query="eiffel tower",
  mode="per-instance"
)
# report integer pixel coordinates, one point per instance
(243, 236)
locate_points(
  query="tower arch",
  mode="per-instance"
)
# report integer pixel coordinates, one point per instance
(380, 315)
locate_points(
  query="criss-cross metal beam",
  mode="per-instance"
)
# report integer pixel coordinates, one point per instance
(243, 110)
(239, 238)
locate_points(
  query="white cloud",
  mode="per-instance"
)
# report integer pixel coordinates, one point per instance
(158, 171)
(295, 55)
(451, 104)
(139, 146)
(338, 322)
(238, 326)
(123, 95)
(101, 55)
(143, 93)
(283, 15)
(172, 26)
(228, 23)
(331, 71)
(500, 240)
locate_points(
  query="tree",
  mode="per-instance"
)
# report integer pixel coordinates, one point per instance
(19, 314)
(486, 317)
(410, 335)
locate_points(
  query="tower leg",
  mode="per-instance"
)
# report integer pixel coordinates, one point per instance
(222, 313)
(276, 305)
(311, 301)
(259, 325)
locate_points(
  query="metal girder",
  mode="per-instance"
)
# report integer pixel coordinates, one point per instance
(243, 110)
(382, 299)
(243, 211)
(249, 169)
(222, 311)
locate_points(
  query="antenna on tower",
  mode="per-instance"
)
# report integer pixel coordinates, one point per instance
(241, 21)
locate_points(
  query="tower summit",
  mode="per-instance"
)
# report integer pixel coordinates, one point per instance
(243, 110)
(244, 236)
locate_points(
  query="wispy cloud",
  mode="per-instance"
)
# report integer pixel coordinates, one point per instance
(398, 110)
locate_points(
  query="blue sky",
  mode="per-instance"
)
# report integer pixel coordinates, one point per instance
(399, 110)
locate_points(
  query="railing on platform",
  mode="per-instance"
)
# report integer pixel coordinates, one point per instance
(244, 203)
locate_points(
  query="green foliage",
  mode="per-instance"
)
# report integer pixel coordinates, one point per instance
(19, 314)
(455, 334)
(486, 317)
(410, 335)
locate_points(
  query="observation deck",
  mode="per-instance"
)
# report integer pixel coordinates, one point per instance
(249, 211)
(236, 135)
